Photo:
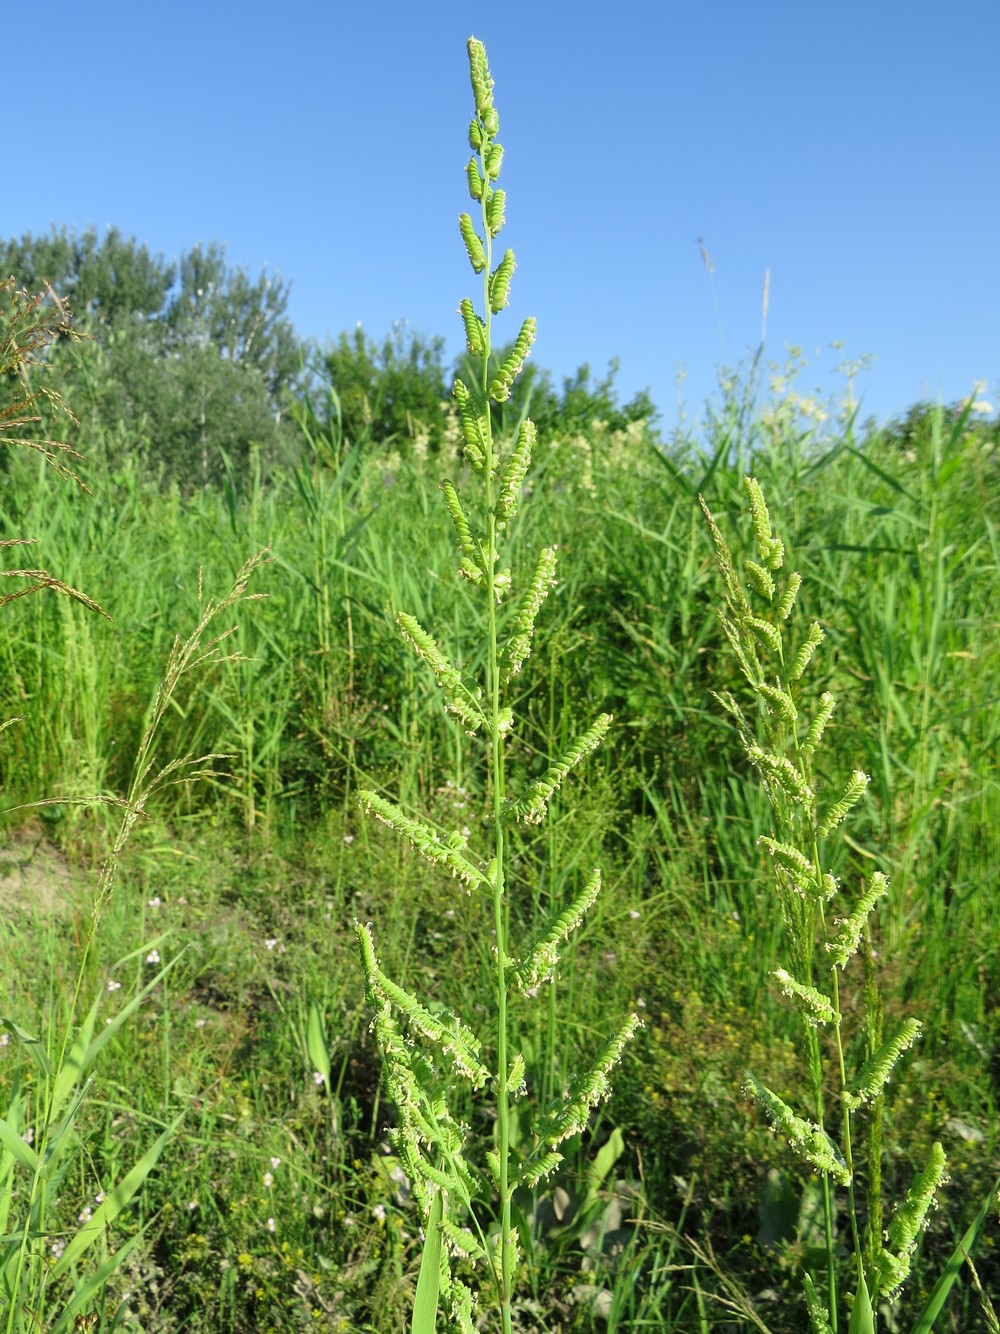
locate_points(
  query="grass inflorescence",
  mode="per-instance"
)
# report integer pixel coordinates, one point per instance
(843, 794)
(467, 1206)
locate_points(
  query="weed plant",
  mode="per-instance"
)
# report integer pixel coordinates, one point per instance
(781, 741)
(430, 1138)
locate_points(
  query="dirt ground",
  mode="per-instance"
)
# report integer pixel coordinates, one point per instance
(34, 874)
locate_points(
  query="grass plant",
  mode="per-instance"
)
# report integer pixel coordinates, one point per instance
(461, 1228)
(279, 1202)
(781, 741)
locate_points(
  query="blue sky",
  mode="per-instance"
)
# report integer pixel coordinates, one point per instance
(850, 149)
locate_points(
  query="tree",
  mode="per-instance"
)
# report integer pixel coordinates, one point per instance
(195, 359)
(103, 281)
(390, 391)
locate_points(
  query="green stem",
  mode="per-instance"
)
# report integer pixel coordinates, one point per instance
(497, 746)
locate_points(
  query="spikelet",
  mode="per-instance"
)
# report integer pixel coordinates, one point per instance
(510, 367)
(541, 961)
(426, 840)
(460, 699)
(530, 806)
(877, 1070)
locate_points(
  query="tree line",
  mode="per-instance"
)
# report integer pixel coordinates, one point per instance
(194, 369)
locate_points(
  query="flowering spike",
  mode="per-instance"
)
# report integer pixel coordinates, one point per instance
(766, 634)
(531, 804)
(500, 282)
(496, 212)
(817, 727)
(848, 935)
(856, 787)
(512, 364)
(475, 330)
(761, 579)
(808, 647)
(877, 1070)
(460, 699)
(541, 962)
(473, 245)
(513, 475)
(518, 647)
(493, 160)
(477, 185)
(475, 425)
(788, 597)
(482, 82)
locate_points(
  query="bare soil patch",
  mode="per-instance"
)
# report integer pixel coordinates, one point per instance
(35, 876)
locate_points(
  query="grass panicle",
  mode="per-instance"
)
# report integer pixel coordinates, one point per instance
(427, 1135)
(781, 745)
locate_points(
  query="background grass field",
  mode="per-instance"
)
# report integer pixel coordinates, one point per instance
(277, 1204)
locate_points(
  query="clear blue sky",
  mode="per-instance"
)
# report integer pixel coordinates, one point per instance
(853, 149)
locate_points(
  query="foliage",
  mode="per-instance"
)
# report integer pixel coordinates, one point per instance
(195, 360)
(393, 391)
(41, 1257)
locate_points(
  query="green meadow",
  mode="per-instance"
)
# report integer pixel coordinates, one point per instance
(202, 668)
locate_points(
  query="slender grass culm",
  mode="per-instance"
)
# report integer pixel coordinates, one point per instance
(426, 1050)
(781, 745)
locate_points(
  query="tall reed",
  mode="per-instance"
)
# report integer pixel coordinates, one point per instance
(428, 1050)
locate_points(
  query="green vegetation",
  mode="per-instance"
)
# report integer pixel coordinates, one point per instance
(206, 1142)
